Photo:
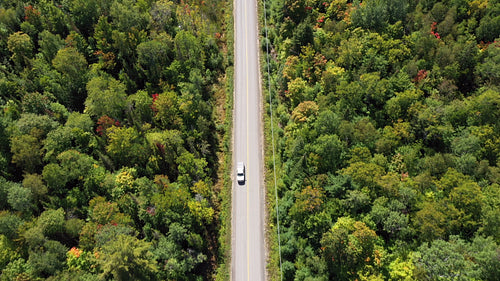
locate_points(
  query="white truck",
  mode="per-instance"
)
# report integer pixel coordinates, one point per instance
(240, 172)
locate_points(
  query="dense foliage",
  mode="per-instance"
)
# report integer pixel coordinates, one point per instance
(111, 123)
(388, 138)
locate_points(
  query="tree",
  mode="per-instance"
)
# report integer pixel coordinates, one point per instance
(372, 15)
(309, 200)
(51, 223)
(129, 14)
(50, 44)
(349, 246)
(366, 176)
(75, 165)
(190, 168)
(106, 96)
(302, 37)
(468, 199)
(36, 125)
(441, 260)
(178, 253)
(491, 212)
(166, 110)
(488, 71)
(71, 63)
(7, 252)
(73, 66)
(168, 145)
(488, 29)
(35, 183)
(164, 16)
(305, 112)
(85, 15)
(152, 57)
(48, 259)
(297, 91)
(330, 150)
(127, 258)
(126, 146)
(9, 224)
(66, 138)
(20, 198)
(389, 218)
(485, 253)
(16, 269)
(21, 47)
(402, 269)
(188, 52)
(488, 106)
(103, 216)
(80, 120)
(26, 153)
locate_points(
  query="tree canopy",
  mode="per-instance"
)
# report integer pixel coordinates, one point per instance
(109, 139)
(386, 119)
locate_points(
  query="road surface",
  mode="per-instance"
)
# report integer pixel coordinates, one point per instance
(248, 257)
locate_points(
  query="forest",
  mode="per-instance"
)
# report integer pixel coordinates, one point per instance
(386, 116)
(113, 138)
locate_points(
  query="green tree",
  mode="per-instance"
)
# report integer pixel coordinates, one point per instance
(51, 222)
(468, 199)
(488, 29)
(73, 66)
(81, 121)
(491, 212)
(140, 108)
(330, 149)
(366, 176)
(66, 138)
(126, 146)
(38, 188)
(350, 246)
(164, 16)
(17, 269)
(21, 47)
(127, 258)
(84, 15)
(168, 145)
(441, 260)
(71, 63)
(50, 44)
(9, 224)
(166, 110)
(488, 70)
(487, 104)
(152, 56)
(188, 51)
(430, 222)
(178, 253)
(26, 153)
(485, 254)
(129, 14)
(20, 198)
(190, 169)
(48, 259)
(7, 252)
(106, 96)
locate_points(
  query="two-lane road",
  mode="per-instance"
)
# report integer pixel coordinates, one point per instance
(248, 257)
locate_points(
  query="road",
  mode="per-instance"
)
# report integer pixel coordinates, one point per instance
(248, 256)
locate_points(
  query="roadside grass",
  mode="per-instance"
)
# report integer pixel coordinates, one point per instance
(224, 186)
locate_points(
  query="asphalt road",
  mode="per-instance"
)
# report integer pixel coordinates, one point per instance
(248, 256)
